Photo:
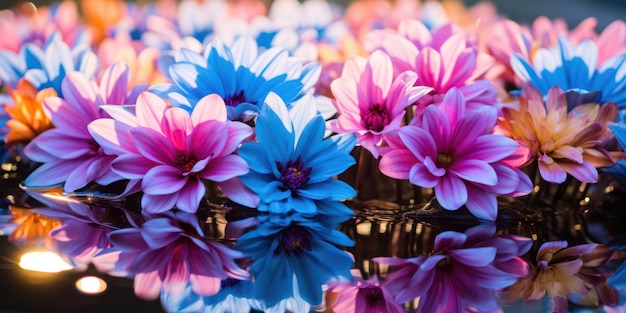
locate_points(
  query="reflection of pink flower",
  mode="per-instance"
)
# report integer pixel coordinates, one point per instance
(567, 274)
(366, 296)
(443, 59)
(455, 152)
(169, 252)
(370, 101)
(172, 152)
(457, 276)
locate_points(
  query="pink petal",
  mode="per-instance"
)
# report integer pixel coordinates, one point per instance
(147, 285)
(176, 271)
(81, 95)
(584, 172)
(176, 125)
(474, 171)
(346, 95)
(211, 107)
(153, 145)
(114, 84)
(191, 195)
(150, 109)
(451, 192)
(225, 168)
(237, 133)
(163, 180)
(112, 136)
(433, 168)
(490, 148)
(50, 173)
(471, 126)
(81, 176)
(430, 67)
(208, 138)
(155, 204)
(56, 141)
(419, 142)
(475, 257)
(482, 204)
(132, 166)
(236, 191)
(437, 124)
(397, 163)
(205, 285)
(353, 68)
(551, 171)
(63, 117)
(382, 75)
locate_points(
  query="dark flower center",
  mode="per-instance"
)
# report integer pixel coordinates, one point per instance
(293, 175)
(236, 99)
(95, 147)
(294, 239)
(185, 163)
(373, 296)
(376, 118)
(229, 282)
(443, 160)
(444, 264)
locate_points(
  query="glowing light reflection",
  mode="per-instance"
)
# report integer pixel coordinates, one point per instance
(91, 285)
(43, 261)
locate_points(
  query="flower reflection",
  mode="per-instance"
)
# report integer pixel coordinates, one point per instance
(168, 252)
(32, 228)
(567, 274)
(366, 296)
(294, 255)
(461, 273)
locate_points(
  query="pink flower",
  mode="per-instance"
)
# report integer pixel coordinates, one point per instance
(367, 296)
(443, 59)
(370, 101)
(455, 152)
(173, 152)
(68, 152)
(456, 277)
(169, 252)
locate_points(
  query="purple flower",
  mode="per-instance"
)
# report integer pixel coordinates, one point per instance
(170, 251)
(456, 277)
(455, 152)
(367, 296)
(173, 152)
(69, 153)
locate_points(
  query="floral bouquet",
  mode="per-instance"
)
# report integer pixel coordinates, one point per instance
(224, 154)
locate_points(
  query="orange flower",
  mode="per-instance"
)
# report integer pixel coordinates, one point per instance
(27, 116)
(562, 142)
(567, 274)
(33, 228)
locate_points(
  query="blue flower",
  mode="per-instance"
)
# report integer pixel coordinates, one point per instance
(292, 166)
(239, 74)
(618, 171)
(293, 256)
(46, 68)
(575, 70)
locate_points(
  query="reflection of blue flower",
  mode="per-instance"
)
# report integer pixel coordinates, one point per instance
(292, 165)
(575, 70)
(239, 74)
(46, 68)
(294, 255)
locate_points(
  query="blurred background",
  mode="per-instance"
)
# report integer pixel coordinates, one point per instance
(573, 11)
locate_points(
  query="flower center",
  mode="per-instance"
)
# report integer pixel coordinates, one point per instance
(294, 239)
(185, 163)
(373, 296)
(376, 118)
(293, 174)
(443, 160)
(95, 147)
(444, 264)
(236, 99)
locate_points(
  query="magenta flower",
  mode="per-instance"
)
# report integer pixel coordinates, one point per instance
(443, 59)
(456, 277)
(455, 152)
(68, 152)
(173, 152)
(371, 100)
(366, 296)
(169, 252)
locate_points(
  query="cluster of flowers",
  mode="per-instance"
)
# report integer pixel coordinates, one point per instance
(267, 105)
